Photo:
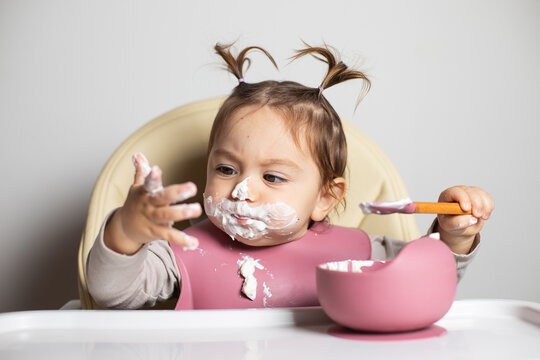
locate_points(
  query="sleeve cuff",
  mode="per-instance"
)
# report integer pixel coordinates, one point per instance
(462, 260)
(103, 257)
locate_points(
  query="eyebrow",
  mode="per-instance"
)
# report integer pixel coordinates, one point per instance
(266, 162)
(226, 153)
(284, 162)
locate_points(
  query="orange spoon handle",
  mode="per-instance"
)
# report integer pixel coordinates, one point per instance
(439, 208)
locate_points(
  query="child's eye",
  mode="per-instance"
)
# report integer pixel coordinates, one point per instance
(273, 178)
(226, 170)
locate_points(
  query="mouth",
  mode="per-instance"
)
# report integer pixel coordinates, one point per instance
(241, 220)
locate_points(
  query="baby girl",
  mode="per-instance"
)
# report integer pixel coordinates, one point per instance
(276, 161)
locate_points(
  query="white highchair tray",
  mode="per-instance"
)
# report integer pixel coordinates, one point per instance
(476, 329)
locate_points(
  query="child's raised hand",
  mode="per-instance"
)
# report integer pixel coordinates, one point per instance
(459, 231)
(149, 212)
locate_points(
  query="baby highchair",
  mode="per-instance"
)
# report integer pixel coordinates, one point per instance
(177, 142)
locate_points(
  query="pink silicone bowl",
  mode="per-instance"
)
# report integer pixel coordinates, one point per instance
(410, 292)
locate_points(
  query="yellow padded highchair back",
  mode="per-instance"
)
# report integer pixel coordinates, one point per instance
(177, 142)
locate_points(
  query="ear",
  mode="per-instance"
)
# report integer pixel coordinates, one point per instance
(328, 199)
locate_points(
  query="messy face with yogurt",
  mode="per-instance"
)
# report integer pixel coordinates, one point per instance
(263, 185)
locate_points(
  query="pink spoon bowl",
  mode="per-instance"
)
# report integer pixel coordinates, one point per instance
(410, 292)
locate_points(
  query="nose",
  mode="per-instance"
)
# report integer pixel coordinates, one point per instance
(241, 190)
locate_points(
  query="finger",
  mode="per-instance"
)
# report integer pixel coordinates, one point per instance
(459, 194)
(488, 205)
(477, 203)
(454, 223)
(142, 168)
(152, 182)
(166, 214)
(173, 194)
(177, 237)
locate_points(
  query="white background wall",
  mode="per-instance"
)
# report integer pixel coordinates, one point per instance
(455, 100)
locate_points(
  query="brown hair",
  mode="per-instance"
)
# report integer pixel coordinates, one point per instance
(305, 109)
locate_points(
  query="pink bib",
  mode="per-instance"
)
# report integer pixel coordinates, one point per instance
(285, 278)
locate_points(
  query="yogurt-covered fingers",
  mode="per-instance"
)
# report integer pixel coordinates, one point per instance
(144, 174)
(147, 214)
(152, 182)
(166, 215)
(173, 194)
(161, 198)
(142, 168)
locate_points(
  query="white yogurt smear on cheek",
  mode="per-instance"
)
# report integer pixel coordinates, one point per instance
(237, 218)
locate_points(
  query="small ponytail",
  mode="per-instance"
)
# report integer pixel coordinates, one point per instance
(338, 72)
(236, 65)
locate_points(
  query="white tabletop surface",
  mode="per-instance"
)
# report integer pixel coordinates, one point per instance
(476, 329)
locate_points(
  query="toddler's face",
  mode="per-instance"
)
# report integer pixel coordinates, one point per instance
(261, 188)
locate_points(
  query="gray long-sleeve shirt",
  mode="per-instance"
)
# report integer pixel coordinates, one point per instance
(151, 275)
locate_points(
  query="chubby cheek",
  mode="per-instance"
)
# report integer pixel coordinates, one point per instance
(214, 187)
